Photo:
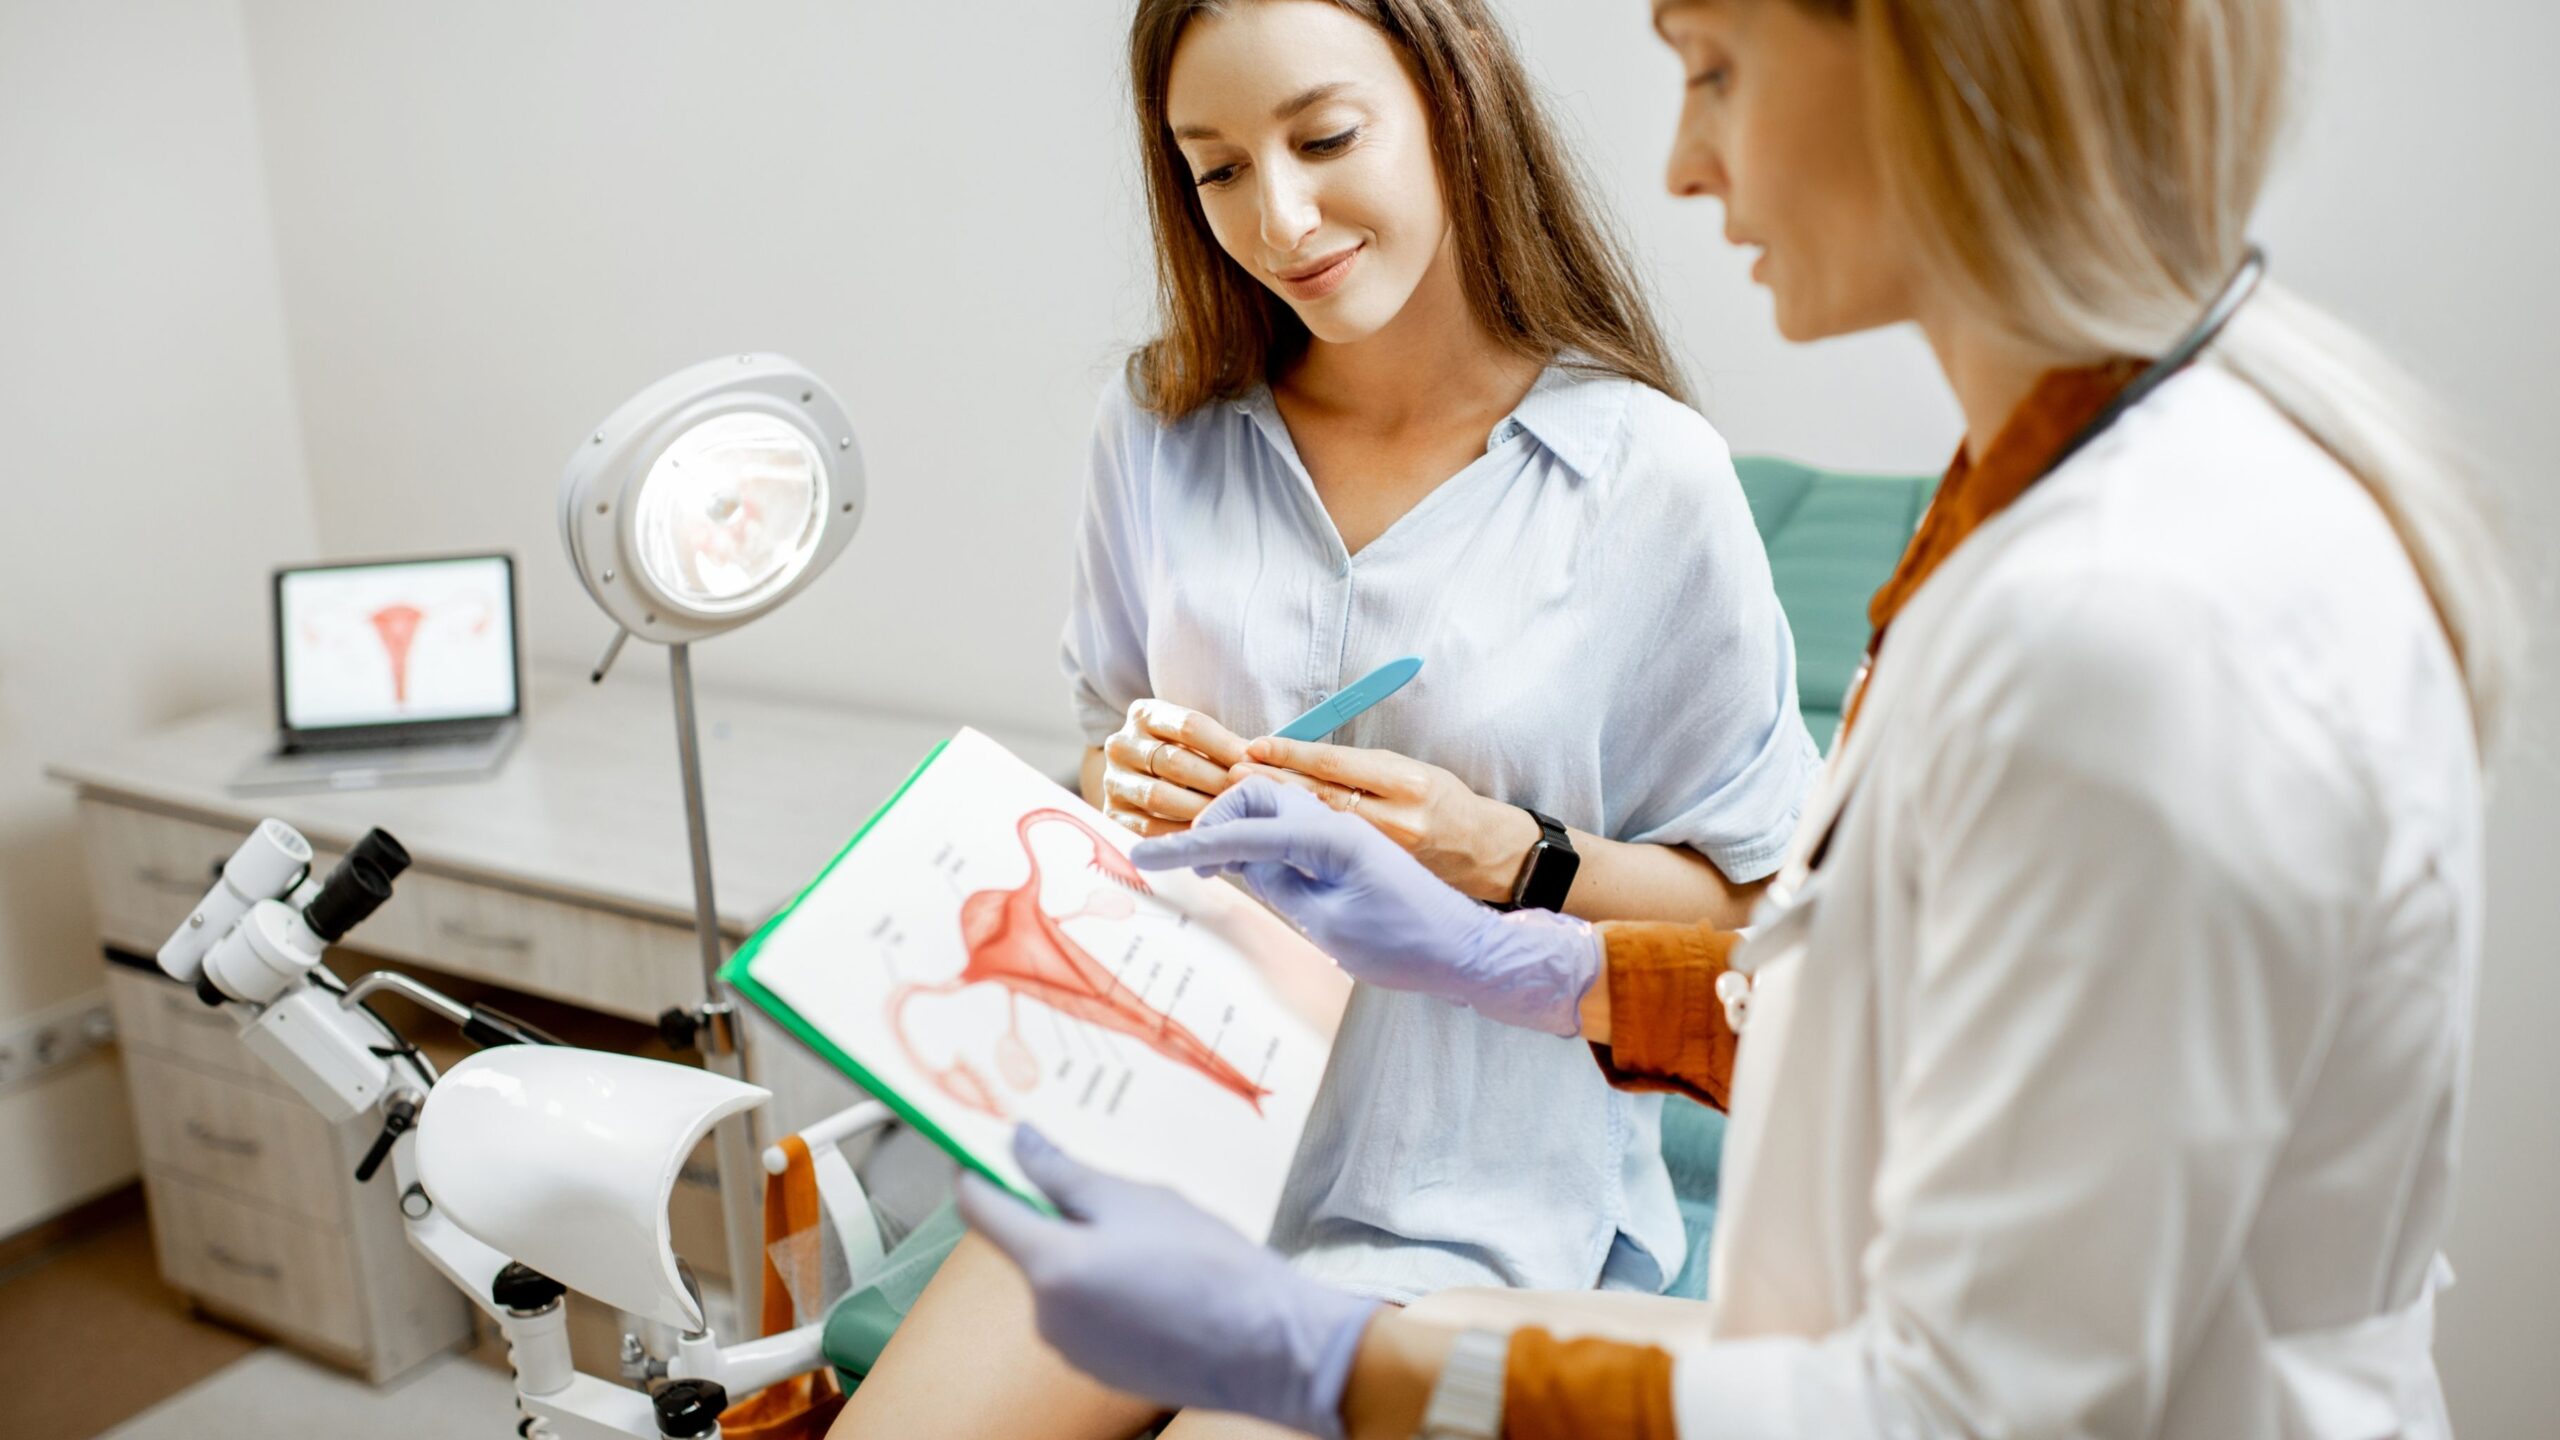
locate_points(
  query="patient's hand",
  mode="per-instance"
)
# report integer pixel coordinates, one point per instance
(1164, 765)
(1473, 844)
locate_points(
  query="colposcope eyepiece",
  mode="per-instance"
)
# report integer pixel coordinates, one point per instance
(378, 847)
(356, 886)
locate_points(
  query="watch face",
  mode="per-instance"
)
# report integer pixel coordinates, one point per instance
(1548, 877)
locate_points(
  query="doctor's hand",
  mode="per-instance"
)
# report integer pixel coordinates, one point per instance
(1164, 765)
(1389, 921)
(1475, 844)
(1148, 1294)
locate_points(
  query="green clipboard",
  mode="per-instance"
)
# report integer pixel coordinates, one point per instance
(739, 975)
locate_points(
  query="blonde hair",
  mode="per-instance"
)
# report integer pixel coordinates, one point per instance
(2088, 168)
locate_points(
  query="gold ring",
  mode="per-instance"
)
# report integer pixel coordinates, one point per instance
(1356, 797)
(1157, 748)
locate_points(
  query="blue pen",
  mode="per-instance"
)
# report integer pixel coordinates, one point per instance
(1348, 706)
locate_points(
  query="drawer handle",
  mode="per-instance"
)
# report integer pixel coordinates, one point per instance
(161, 880)
(254, 1269)
(227, 1144)
(462, 934)
(195, 1013)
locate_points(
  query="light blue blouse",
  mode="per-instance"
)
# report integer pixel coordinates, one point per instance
(1600, 642)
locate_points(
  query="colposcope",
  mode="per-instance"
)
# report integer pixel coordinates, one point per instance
(527, 1170)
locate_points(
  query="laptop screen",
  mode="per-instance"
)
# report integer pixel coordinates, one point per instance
(396, 642)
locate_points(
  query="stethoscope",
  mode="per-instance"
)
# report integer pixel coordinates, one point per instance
(1733, 987)
(2207, 329)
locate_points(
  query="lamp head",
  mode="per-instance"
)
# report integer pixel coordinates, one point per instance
(711, 497)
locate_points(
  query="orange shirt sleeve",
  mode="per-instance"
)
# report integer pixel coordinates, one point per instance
(1575, 1389)
(1667, 1029)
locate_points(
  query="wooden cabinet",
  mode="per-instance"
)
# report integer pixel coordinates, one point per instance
(265, 1147)
(254, 1207)
(146, 868)
(256, 1262)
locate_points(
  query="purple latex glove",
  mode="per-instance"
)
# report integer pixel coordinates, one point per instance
(1374, 908)
(1148, 1294)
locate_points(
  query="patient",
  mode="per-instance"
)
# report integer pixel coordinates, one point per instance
(1406, 399)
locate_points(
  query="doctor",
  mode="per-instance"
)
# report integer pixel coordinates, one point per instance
(2104, 1038)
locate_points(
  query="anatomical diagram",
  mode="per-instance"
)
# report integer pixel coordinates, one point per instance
(397, 627)
(1013, 942)
(393, 631)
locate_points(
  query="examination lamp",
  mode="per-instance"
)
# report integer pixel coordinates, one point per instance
(704, 501)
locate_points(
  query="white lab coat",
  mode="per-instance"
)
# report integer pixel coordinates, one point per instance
(2105, 1078)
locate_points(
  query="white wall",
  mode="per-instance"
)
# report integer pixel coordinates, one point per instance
(495, 220)
(151, 460)
(2424, 190)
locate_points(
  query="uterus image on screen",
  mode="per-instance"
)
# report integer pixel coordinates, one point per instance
(398, 643)
(396, 625)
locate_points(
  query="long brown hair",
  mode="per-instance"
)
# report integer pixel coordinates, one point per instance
(2085, 170)
(1539, 267)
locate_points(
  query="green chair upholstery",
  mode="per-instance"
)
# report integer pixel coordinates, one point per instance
(1831, 539)
(859, 1326)
(1693, 1150)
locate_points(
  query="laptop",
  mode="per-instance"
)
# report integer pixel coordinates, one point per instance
(392, 672)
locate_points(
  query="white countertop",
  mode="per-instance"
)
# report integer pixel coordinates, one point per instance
(590, 805)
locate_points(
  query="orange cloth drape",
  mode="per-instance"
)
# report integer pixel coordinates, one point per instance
(800, 1408)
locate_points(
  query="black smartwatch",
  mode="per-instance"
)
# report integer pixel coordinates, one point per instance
(1546, 877)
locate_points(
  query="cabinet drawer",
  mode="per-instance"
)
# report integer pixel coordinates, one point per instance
(597, 959)
(260, 1264)
(153, 1014)
(263, 1146)
(146, 871)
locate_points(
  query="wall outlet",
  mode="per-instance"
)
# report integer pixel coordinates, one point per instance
(40, 1044)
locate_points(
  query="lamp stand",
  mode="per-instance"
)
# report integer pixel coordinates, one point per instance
(723, 1051)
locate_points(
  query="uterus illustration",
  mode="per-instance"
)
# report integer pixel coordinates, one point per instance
(397, 625)
(395, 630)
(1015, 943)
